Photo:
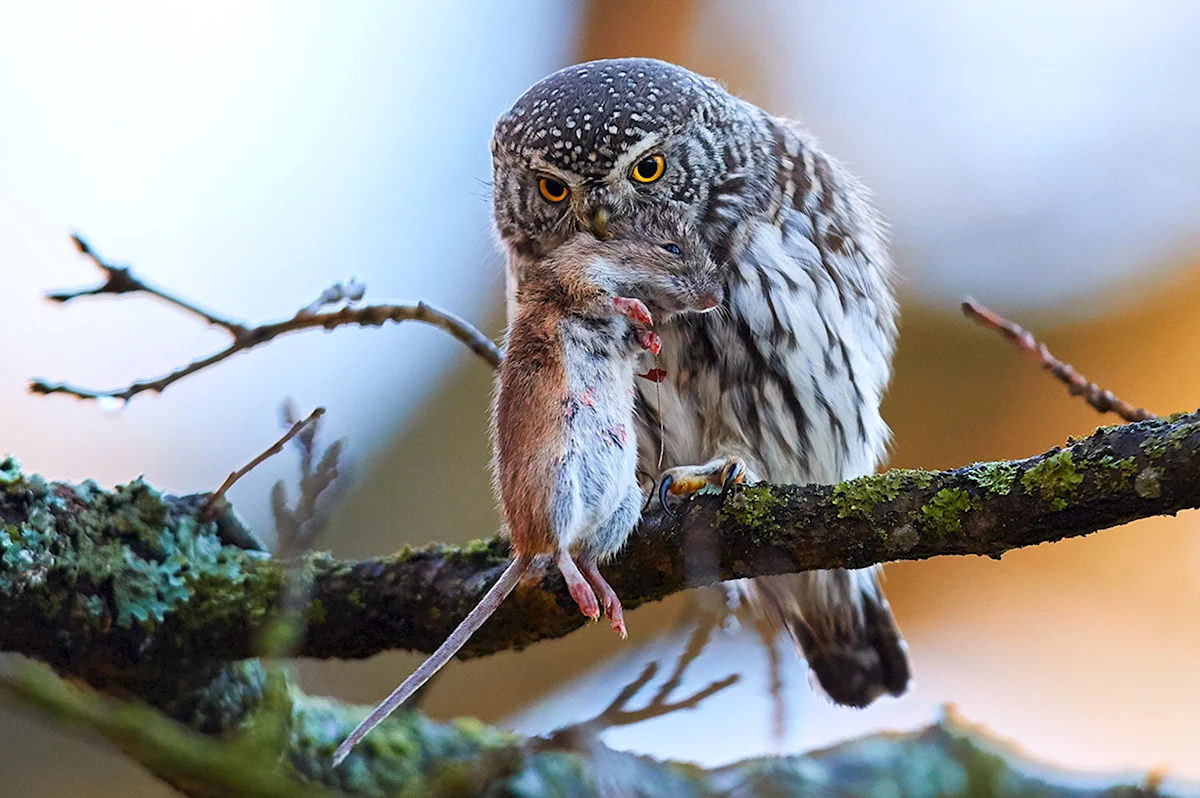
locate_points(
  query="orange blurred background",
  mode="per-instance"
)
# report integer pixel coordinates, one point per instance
(1041, 156)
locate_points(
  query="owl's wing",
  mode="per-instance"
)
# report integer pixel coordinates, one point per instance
(825, 268)
(790, 380)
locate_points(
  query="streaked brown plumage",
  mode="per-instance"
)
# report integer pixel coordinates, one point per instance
(788, 378)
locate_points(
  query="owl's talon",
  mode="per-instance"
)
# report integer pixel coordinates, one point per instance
(735, 473)
(664, 488)
(720, 474)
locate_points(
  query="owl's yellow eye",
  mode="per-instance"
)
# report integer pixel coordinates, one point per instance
(649, 169)
(553, 190)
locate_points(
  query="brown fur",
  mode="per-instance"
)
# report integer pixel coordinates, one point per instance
(532, 403)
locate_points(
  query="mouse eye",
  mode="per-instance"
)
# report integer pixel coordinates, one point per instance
(649, 169)
(673, 249)
(553, 190)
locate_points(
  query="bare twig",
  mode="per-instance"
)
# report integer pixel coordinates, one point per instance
(768, 637)
(296, 528)
(617, 712)
(120, 280)
(266, 454)
(1102, 400)
(349, 293)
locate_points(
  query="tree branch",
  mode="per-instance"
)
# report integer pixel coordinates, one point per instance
(410, 755)
(1100, 399)
(133, 578)
(266, 454)
(176, 753)
(121, 280)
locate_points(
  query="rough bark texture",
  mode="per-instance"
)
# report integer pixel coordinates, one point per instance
(280, 744)
(139, 595)
(133, 578)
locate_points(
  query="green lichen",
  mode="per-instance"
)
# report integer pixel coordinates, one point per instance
(942, 515)
(407, 754)
(221, 595)
(751, 507)
(478, 546)
(132, 560)
(1158, 446)
(857, 498)
(1113, 473)
(995, 478)
(11, 477)
(1054, 479)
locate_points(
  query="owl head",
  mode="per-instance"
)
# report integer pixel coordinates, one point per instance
(603, 141)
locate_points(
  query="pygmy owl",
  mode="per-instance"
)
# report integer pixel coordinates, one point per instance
(784, 383)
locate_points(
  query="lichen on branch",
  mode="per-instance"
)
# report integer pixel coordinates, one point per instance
(133, 578)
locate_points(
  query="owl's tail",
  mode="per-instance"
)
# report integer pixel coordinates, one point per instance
(842, 625)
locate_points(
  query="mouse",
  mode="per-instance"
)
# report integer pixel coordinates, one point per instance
(562, 416)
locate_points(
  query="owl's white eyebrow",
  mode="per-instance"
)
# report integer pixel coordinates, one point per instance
(634, 154)
(543, 169)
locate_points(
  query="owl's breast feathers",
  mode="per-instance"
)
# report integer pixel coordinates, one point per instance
(802, 357)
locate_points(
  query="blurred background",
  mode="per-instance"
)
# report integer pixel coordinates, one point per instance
(1041, 155)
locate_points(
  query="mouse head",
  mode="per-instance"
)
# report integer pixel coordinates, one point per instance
(657, 258)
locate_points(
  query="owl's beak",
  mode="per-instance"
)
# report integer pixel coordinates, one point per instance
(600, 223)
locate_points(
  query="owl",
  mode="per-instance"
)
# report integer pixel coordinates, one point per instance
(784, 383)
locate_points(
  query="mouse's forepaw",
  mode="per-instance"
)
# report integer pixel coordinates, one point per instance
(633, 308)
(649, 340)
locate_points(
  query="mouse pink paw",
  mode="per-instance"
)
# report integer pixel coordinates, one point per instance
(608, 596)
(649, 340)
(654, 375)
(585, 597)
(578, 587)
(633, 308)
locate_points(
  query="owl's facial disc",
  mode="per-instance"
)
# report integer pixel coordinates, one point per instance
(599, 142)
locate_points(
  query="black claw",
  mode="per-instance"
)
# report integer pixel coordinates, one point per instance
(663, 488)
(731, 477)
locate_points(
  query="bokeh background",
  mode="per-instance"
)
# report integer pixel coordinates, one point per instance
(1043, 155)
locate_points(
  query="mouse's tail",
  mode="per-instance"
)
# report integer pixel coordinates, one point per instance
(445, 652)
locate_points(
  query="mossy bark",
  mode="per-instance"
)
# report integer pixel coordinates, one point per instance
(282, 747)
(132, 578)
(139, 595)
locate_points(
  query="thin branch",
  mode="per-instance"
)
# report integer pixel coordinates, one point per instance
(296, 528)
(216, 611)
(335, 294)
(1102, 400)
(617, 713)
(262, 457)
(174, 751)
(120, 280)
